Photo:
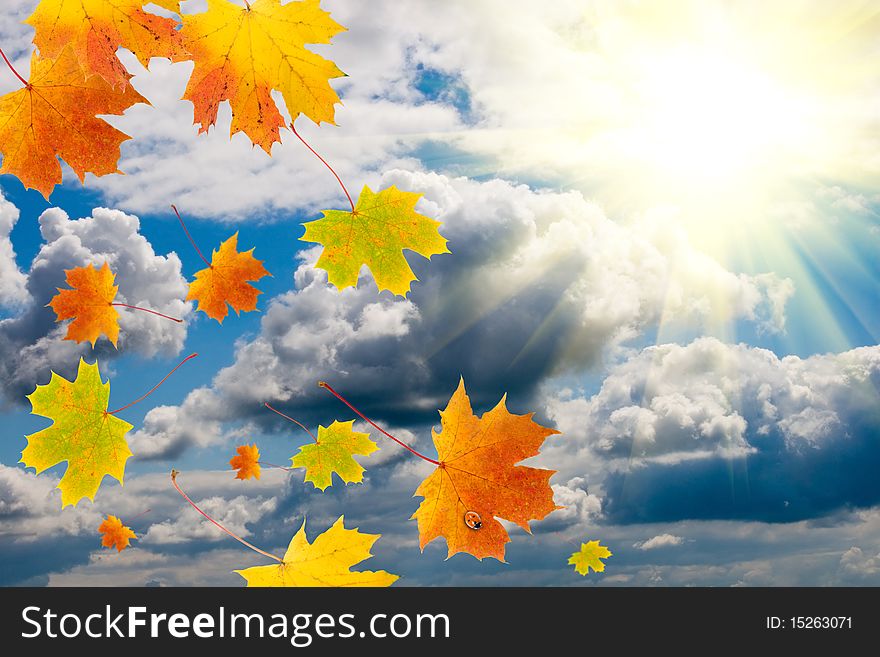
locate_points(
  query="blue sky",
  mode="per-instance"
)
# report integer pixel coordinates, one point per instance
(683, 285)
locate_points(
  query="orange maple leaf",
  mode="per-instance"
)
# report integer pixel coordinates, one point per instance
(242, 53)
(89, 303)
(478, 480)
(54, 116)
(95, 29)
(115, 533)
(225, 281)
(246, 462)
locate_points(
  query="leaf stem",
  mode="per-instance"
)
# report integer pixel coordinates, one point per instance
(238, 538)
(189, 237)
(292, 420)
(341, 184)
(147, 310)
(142, 513)
(153, 389)
(329, 389)
(274, 465)
(12, 68)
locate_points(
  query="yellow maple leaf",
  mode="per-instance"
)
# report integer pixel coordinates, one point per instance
(115, 534)
(225, 281)
(589, 556)
(333, 452)
(325, 562)
(54, 116)
(95, 29)
(478, 480)
(83, 433)
(375, 234)
(242, 53)
(246, 461)
(89, 303)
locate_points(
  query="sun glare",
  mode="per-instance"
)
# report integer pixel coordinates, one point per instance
(708, 121)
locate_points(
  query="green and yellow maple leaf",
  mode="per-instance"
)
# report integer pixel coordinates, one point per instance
(589, 556)
(83, 433)
(333, 452)
(375, 234)
(325, 562)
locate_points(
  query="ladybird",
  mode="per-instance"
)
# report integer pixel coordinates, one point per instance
(473, 520)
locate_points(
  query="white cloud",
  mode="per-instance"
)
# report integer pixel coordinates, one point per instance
(855, 564)
(484, 312)
(234, 514)
(710, 399)
(12, 280)
(32, 342)
(659, 541)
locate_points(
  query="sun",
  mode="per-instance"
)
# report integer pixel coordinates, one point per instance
(704, 119)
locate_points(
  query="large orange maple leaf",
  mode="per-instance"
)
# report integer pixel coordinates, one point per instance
(95, 29)
(242, 53)
(54, 116)
(478, 480)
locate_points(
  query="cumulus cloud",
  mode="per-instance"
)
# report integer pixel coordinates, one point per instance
(659, 541)
(537, 283)
(710, 429)
(12, 280)
(31, 342)
(234, 514)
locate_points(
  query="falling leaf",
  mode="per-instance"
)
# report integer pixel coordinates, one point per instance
(246, 462)
(242, 54)
(83, 433)
(477, 480)
(589, 556)
(326, 562)
(95, 29)
(56, 116)
(333, 453)
(225, 281)
(115, 533)
(89, 303)
(375, 234)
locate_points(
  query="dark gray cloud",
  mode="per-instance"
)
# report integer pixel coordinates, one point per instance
(537, 283)
(32, 342)
(711, 430)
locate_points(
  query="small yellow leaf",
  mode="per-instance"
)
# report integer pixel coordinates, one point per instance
(589, 556)
(326, 562)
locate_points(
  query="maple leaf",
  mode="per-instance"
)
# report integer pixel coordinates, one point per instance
(375, 234)
(95, 29)
(325, 562)
(246, 462)
(115, 533)
(242, 53)
(225, 281)
(333, 452)
(478, 480)
(83, 433)
(56, 116)
(589, 556)
(89, 303)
